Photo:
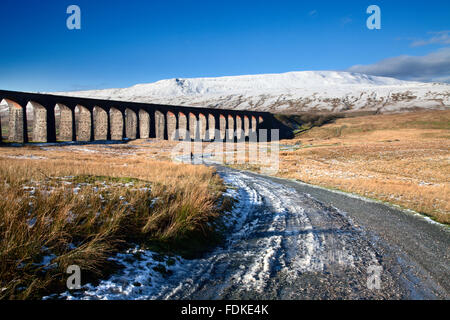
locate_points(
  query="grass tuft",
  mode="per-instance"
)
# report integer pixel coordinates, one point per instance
(81, 210)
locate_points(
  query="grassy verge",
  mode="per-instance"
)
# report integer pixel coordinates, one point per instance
(73, 208)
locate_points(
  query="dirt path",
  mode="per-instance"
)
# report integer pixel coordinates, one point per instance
(293, 241)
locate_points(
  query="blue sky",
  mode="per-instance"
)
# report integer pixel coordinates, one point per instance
(122, 43)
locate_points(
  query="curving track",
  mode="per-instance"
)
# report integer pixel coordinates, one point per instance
(290, 241)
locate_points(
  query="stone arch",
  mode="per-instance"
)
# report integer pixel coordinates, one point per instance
(193, 125)
(116, 127)
(130, 124)
(171, 125)
(63, 122)
(13, 128)
(83, 123)
(100, 123)
(40, 126)
(160, 124)
(144, 124)
(211, 127)
(202, 126)
(182, 126)
(222, 126)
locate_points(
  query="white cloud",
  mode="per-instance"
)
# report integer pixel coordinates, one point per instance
(440, 37)
(312, 12)
(434, 66)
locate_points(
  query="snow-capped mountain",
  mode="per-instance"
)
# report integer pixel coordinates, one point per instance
(287, 92)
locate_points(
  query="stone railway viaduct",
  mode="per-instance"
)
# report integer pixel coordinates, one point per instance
(85, 119)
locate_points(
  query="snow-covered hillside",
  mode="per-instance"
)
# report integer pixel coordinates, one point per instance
(287, 92)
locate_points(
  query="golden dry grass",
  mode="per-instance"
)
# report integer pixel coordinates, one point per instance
(398, 158)
(124, 196)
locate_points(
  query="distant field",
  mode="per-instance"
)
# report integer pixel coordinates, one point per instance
(399, 158)
(402, 159)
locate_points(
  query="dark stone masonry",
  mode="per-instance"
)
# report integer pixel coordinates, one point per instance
(85, 119)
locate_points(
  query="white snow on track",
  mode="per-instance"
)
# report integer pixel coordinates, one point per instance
(270, 234)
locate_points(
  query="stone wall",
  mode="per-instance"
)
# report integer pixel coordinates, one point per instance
(65, 123)
(171, 125)
(182, 126)
(238, 127)
(246, 126)
(39, 123)
(100, 124)
(211, 127)
(223, 126)
(193, 123)
(83, 124)
(15, 123)
(116, 124)
(160, 122)
(202, 126)
(230, 131)
(254, 124)
(144, 124)
(131, 123)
